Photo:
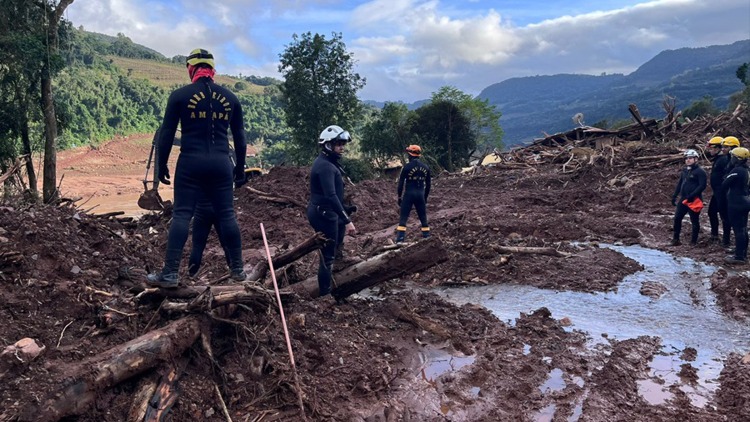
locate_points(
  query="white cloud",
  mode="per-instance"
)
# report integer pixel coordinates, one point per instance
(409, 48)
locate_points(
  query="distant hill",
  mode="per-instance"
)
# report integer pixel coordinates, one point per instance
(167, 75)
(534, 104)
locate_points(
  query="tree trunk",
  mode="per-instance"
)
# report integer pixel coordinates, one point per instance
(49, 184)
(410, 259)
(113, 366)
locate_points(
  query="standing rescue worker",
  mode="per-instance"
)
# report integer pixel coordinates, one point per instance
(738, 202)
(326, 211)
(691, 185)
(720, 162)
(203, 220)
(415, 176)
(206, 111)
(727, 145)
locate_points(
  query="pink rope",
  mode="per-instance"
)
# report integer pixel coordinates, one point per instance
(278, 296)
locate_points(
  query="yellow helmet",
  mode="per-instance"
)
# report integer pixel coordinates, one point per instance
(716, 140)
(741, 153)
(199, 56)
(731, 141)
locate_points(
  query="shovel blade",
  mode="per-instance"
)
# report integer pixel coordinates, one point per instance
(151, 200)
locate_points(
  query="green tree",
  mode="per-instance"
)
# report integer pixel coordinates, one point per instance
(703, 107)
(445, 132)
(319, 89)
(389, 133)
(484, 118)
(744, 95)
(742, 74)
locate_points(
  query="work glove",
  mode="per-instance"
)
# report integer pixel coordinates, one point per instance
(399, 202)
(674, 201)
(240, 178)
(164, 175)
(350, 209)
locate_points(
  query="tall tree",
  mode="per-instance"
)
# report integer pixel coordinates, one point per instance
(389, 133)
(483, 117)
(319, 89)
(53, 15)
(446, 131)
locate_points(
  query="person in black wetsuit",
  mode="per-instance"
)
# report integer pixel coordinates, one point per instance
(720, 162)
(326, 211)
(206, 112)
(416, 178)
(690, 186)
(203, 220)
(738, 203)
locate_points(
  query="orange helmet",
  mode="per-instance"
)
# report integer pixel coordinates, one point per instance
(414, 150)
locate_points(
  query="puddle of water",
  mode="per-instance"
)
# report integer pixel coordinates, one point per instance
(436, 362)
(474, 391)
(653, 392)
(554, 382)
(578, 381)
(686, 315)
(577, 412)
(546, 414)
(526, 349)
(667, 367)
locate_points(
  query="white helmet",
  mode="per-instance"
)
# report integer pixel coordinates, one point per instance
(691, 153)
(333, 133)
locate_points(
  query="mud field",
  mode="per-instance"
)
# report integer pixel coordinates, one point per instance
(403, 350)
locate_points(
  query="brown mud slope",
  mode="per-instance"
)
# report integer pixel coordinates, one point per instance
(69, 281)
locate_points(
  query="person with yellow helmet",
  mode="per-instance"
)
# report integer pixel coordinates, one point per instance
(689, 189)
(414, 183)
(720, 162)
(727, 145)
(206, 112)
(738, 202)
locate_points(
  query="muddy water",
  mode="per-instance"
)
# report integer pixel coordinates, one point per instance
(687, 315)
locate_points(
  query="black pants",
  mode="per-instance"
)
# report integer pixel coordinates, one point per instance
(203, 220)
(679, 214)
(738, 220)
(413, 198)
(197, 177)
(717, 209)
(327, 222)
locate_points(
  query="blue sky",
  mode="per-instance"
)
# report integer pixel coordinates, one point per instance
(407, 49)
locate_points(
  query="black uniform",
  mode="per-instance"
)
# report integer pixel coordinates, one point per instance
(326, 211)
(718, 205)
(691, 185)
(205, 111)
(416, 178)
(203, 220)
(738, 205)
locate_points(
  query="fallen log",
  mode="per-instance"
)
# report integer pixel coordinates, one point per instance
(207, 300)
(112, 367)
(411, 259)
(310, 244)
(529, 250)
(279, 199)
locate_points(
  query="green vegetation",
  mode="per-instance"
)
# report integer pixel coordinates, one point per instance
(449, 128)
(319, 89)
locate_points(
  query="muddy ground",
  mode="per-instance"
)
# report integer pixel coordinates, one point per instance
(64, 285)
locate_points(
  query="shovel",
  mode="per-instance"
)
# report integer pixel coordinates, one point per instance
(150, 198)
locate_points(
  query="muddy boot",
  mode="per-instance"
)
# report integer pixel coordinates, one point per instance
(733, 260)
(425, 232)
(714, 238)
(675, 242)
(238, 274)
(163, 280)
(400, 234)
